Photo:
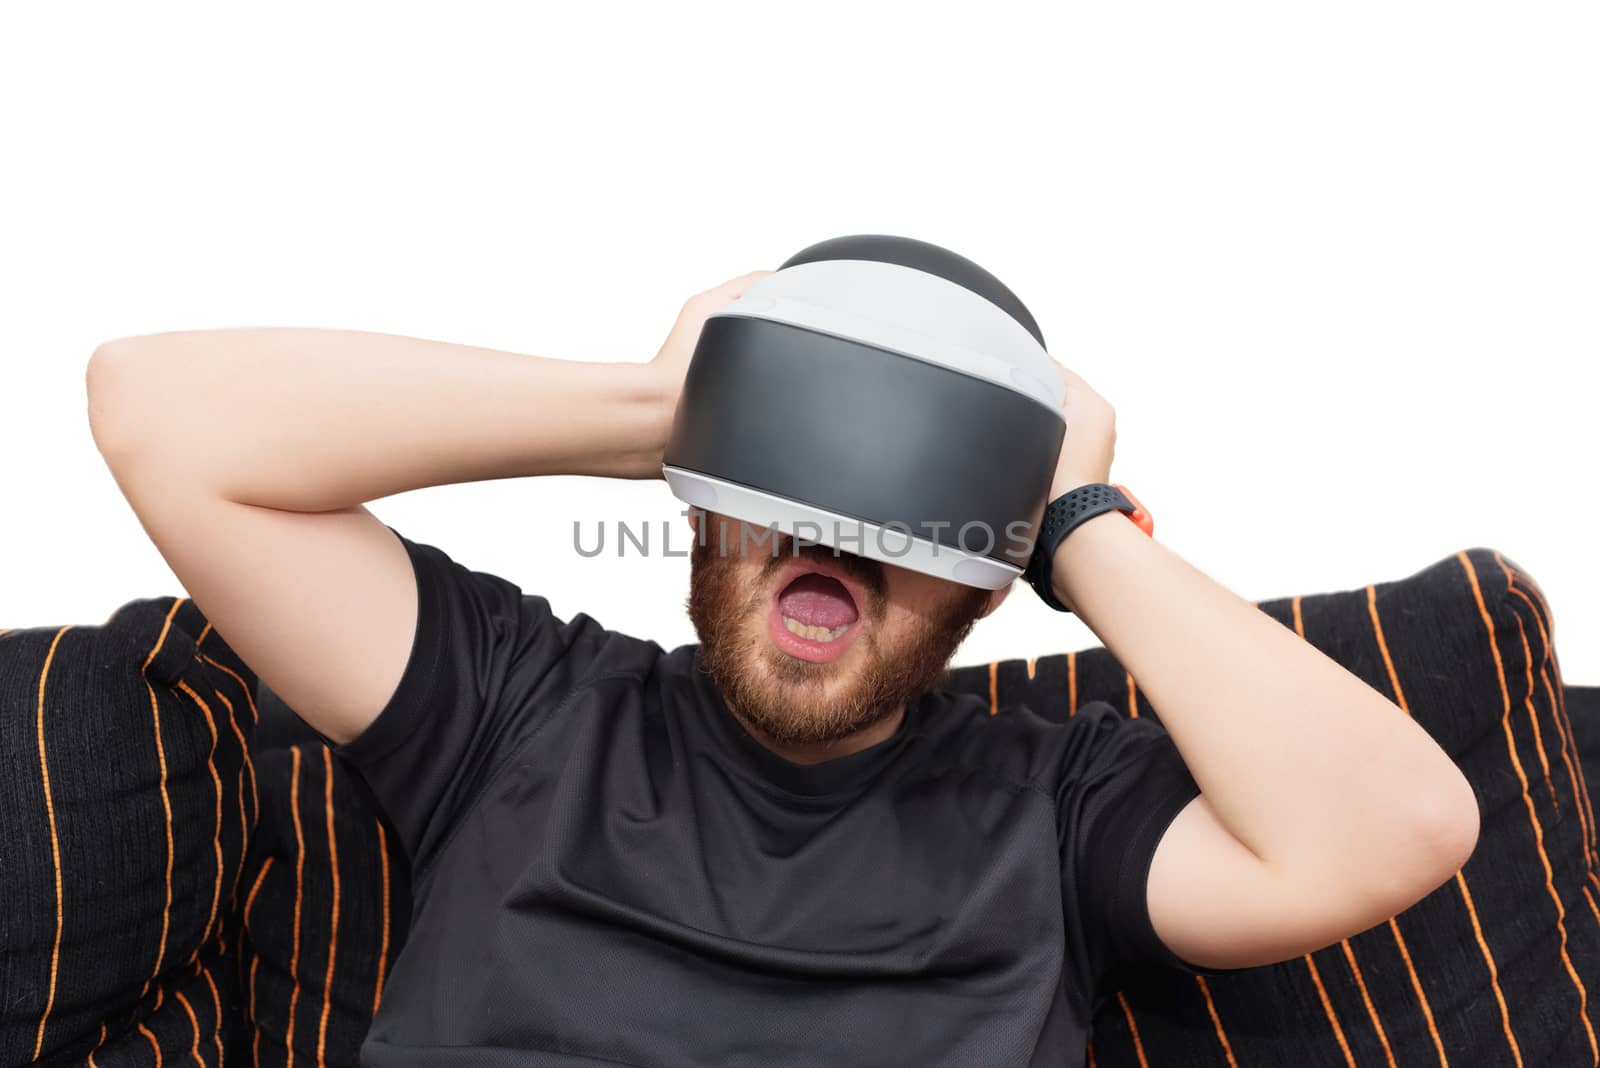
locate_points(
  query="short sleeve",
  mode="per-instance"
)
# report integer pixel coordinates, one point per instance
(1122, 785)
(486, 662)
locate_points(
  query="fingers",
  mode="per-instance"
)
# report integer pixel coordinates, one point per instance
(1072, 377)
(734, 288)
(700, 306)
(748, 279)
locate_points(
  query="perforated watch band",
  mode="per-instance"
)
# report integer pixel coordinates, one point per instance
(1063, 514)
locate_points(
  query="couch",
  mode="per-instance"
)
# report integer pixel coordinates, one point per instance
(191, 877)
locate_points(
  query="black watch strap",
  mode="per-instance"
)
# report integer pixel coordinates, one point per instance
(1060, 517)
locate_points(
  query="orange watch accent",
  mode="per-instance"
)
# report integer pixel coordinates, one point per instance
(1141, 515)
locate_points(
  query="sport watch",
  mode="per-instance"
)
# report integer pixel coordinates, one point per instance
(1065, 513)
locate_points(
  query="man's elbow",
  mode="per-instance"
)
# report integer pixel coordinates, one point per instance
(1443, 830)
(108, 388)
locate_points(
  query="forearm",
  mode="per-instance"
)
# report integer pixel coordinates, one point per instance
(1311, 769)
(314, 420)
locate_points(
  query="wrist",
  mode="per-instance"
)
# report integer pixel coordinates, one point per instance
(645, 399)
(1074, 556)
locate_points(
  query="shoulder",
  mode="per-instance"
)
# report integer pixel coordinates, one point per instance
(602, 650)
(477, 609)
(1015, 742)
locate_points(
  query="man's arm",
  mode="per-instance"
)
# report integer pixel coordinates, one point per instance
(1324, 808)
(248, 454)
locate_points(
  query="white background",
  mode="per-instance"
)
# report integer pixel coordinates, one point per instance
(1334, 265)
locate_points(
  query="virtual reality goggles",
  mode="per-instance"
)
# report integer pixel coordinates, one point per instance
(881, 396)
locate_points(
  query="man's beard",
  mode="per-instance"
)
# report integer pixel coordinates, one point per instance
(788, 699)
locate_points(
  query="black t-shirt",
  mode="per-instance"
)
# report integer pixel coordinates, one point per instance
(609, 870)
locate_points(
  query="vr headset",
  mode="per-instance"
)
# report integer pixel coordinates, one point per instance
(880, 396)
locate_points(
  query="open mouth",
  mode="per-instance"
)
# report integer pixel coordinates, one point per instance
(814, 615)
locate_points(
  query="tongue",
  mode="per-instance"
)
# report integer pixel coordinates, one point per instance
(817, 601)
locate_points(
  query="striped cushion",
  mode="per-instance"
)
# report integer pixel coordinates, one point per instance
(1494, 968)
(1477, 967)
(327, 904)
(126, 797)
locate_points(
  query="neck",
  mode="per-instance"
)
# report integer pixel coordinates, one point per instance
(817, 752)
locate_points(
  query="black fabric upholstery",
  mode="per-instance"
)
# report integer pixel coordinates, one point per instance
(126, 800)
(307, 922)
(1498, 965)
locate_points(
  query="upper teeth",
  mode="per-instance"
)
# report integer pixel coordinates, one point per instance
(816, 634)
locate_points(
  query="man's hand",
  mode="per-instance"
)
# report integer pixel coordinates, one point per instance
(671, 363)
(1089, 443)
(1091, 438)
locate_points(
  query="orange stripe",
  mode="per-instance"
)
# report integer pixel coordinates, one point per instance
(1311, 965)
(55, 846)
(1394, 927)
(1533, 717)
(1511, 587)
(194, 1022)
(1383, 643)
(1372, 1011)
(1557, 702)
(203, 632)
(166, 802)
(1579, 803)
(1590, 899)
(1216, 1021)
(994, 686)
(1533, 588)
(1516, 762)
(255, 1043)
(255, 961)
(249, 697)
(1494, 973)
(333, 919)
(1580, 790)
(98, 1043)
(1327, 1008)
(216, 1008)
(250, 900)
(166, 807)
(1031, 659)
(1527, 799)
(216, 783)
(1422, 998)
(154, 1045)
(299, 873)
(1133, 1029)
(244, 825)
(1559, 695)
(1133, 696)
(166, 625)
(1549, 622)
(383, 945)
(1092, 1063)
(1072, 684)
(1559, 699)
